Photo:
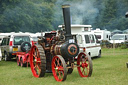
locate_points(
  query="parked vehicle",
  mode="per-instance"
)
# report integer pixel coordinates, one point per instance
(102, 34)
(12, 44)
(89, 41)
(86, 38)
(23, 58)
(75, 29)
(2, 35)
(34, 38)
(119, 38)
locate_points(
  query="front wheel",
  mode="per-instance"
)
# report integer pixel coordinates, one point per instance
(84, 63)
(59, 69)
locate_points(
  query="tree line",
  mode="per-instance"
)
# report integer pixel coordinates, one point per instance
(46, 15)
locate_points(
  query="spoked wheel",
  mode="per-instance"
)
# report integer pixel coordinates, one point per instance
(37, 61)
(18, 61)
(59, 68)
(84, 65)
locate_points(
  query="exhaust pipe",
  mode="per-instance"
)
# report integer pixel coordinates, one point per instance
(66, 16)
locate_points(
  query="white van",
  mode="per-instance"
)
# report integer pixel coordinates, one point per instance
(89, 41)
(86, 39)
(119, 38)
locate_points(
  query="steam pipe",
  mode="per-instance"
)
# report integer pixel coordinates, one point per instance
(66, 15)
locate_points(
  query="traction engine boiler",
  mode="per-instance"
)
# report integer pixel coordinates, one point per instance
(55, 52)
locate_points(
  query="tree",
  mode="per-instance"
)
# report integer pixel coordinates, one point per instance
(27, 16)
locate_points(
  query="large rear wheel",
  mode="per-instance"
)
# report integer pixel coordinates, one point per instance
(84, 63)
(59, 69)
(37, 61)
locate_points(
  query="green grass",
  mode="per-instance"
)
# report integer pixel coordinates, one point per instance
(110, 69)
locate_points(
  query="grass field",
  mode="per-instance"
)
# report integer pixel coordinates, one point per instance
(110, 69)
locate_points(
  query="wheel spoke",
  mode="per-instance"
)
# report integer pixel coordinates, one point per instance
(84, 71)
(59, 75)
(56, 71)
(34, 55)
(37, 53)
(63, 74)
(58, 62)
(35, 67)
(87, 70)
(61, 64)
(39, 70)
(85, 60)
(54, 64)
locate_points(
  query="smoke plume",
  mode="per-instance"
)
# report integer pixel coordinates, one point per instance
(81, 11)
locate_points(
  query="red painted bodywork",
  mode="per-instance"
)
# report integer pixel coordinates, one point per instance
(25, 56)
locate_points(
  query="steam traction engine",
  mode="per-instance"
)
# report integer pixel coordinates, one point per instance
(56, 51)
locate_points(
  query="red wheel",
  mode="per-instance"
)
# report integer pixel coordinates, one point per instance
(37, 61)
(59, 68)
(18, 61)
(84, 65)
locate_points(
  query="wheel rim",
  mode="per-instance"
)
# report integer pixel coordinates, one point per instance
(84, 65)
(35, 62)
(59, 68)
